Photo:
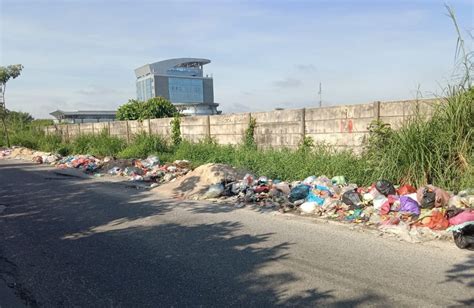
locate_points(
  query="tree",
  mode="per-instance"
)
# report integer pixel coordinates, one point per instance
(157, 107)
(7, 73)
(18, 120)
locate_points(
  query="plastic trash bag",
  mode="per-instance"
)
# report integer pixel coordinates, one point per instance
(262, 180)
(430, 196)
(405, 190)
(338, 180)
(283, 187)
(238, 187)
(228, 190)
(314, 198)
(214, 191)
(379, 201)
(114, 171)
(437, 221)
(262, 189)
(310, 180)
(308, 207)
(351, 198)
(299, 192)
(408, 205)
(462, 217)
(248, 179)
(463, 234)
(385, 187)
(150, 162)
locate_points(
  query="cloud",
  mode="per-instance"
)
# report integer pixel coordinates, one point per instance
(235, 108)
(94, 90)
(288, 83)
(306, 68)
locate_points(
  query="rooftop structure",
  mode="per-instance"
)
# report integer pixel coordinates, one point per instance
(181, 81)
(84, 116)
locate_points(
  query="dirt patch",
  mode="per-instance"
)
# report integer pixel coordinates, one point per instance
(195, 183)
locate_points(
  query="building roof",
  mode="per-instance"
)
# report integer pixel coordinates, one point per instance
(59, 113)
(161, 67)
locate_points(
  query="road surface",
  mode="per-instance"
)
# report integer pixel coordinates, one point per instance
(67, 241)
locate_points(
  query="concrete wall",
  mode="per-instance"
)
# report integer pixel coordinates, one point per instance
(344, 127)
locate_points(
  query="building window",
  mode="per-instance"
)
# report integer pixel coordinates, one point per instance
(185, 90)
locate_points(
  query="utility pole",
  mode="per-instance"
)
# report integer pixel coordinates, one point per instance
(320, 95)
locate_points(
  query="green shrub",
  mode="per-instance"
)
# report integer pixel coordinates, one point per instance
(249, 135)
(98, 145)
(176, 129)
(143, 145)
(26, 138)
(157, 107)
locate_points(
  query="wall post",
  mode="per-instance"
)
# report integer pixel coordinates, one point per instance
(377, 110)
(208, 127)
(128, 132)
(303, 124)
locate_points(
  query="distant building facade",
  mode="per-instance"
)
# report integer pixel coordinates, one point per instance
(181, 81)
(73, 117)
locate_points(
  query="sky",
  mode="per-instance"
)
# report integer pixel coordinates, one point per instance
(81, 54)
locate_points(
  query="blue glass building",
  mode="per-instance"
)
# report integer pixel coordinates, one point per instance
(181, 81)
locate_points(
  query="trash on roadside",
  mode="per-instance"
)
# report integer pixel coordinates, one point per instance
(385, 187)
(214, 191)
(406, 212)
(299, 192)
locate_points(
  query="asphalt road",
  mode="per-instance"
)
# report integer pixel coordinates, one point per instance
(67, 241)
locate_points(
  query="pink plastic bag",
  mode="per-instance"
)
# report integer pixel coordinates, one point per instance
(467, 215)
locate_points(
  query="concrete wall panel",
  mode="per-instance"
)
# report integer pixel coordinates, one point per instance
(118, 129)
(86, 128)
(161, 127)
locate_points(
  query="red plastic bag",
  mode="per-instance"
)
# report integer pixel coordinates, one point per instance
(405, 190)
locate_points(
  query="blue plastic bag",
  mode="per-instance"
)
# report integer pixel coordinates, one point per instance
(299, 192)
(314, 198)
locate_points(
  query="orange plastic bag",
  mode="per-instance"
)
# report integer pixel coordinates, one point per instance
(437, 221)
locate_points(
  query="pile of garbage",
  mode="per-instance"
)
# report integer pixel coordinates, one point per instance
(28, 154)
(404, 210)
(143, 170)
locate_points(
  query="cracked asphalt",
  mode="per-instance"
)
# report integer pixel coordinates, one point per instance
(68, 241)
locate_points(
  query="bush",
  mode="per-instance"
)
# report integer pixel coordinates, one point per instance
(144, 145)
(26, 138)
(153, 108)
(98, 145)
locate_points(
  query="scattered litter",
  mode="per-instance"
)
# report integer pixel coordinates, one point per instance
(413, 215)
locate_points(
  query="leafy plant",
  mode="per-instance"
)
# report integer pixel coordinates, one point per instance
(157, 107)
(176, 129)
(249, 136)
(306, 143)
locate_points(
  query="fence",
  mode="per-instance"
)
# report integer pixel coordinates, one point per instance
(340, 126)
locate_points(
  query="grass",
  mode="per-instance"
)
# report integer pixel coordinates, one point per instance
(438, 151)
